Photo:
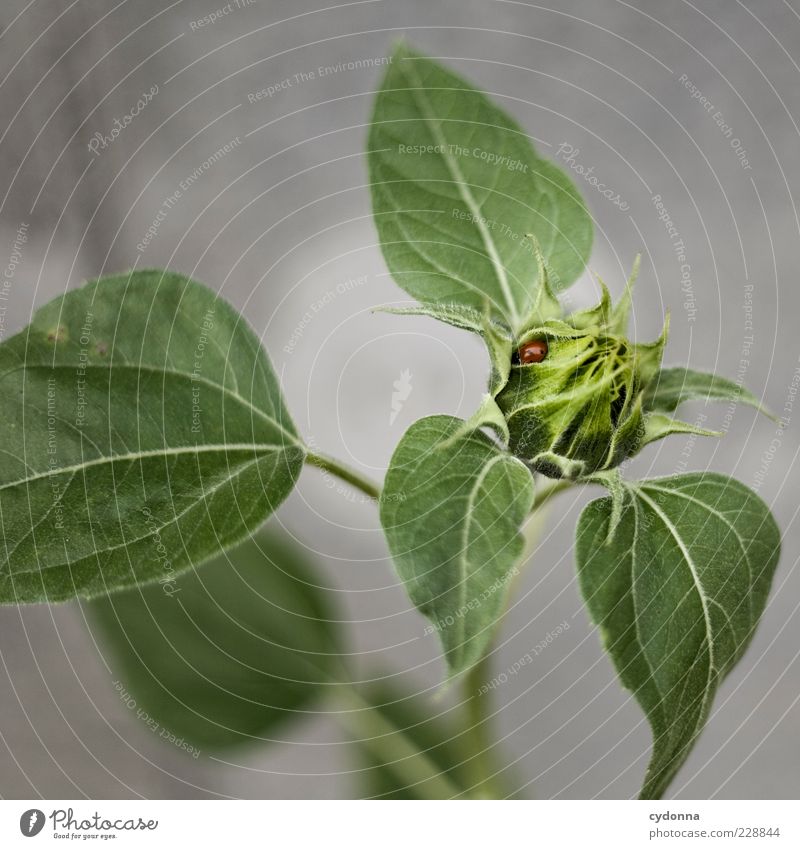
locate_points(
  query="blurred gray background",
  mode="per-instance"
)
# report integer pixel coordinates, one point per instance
(283, 222)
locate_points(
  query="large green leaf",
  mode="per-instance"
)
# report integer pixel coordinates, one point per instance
(452, 509)
(672, 386)
(227, 652)
(676, 594)
(143, 431)
(456, 188)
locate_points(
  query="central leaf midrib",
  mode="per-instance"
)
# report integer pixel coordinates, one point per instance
(704, 505)
(418, 94)
(637, 608)
(463, 559)
(703, 602)
(221, 448)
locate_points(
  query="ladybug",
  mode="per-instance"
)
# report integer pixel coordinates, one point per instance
(533, 352)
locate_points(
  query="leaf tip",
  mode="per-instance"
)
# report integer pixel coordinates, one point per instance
(401, 49)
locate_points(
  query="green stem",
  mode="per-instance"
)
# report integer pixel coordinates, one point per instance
(546, 492)
(477, 736)
(354, 478)
(392, 746)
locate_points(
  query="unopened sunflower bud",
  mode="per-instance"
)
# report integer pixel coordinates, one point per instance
(574, 398)
(578, 409)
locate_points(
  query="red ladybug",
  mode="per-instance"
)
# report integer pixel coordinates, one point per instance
(533, 352)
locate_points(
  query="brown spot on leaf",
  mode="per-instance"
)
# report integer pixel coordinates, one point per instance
(57, 334)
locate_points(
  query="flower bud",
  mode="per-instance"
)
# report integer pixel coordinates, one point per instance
(573, 401)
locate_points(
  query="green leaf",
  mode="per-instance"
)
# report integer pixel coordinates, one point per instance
(452, 509)
(144, 431)
(456, 188)
(227, 652)
(672, 386)
(676, 595)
